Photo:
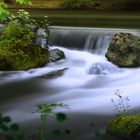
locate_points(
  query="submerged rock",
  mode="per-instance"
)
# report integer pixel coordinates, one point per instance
(103, 68)
(56, 55)
(54, 74)
(124, 50)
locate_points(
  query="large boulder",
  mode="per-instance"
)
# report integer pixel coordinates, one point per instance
(54, 74)
(124, 50)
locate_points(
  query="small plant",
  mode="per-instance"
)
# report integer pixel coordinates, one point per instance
(4, 10)
(45, 110)
(122, 106)
(22, 17)
(9, 130)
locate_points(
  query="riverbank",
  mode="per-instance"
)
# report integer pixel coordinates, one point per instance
(88, 18)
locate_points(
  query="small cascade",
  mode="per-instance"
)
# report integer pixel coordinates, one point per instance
(91, 42)
(104, 68)
(97, 43)
(81, 38)
(90, 39)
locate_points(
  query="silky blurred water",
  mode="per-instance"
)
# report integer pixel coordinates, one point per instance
(87, 87)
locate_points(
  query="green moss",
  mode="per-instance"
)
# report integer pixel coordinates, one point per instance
(126, 126)
(17, 52)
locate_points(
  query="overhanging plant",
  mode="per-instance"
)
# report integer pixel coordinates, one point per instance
(3, 7)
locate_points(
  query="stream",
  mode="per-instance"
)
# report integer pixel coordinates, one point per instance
(86, 86)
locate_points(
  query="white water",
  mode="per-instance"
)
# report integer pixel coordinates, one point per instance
(87, 86)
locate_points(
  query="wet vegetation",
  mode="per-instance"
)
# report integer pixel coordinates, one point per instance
(18, 51)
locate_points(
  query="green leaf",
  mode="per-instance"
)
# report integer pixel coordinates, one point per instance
(7, 119)
(61, 117)
(67, 132)
(15, 127)
(23, 1)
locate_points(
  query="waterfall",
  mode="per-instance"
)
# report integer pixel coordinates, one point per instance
(90, 39)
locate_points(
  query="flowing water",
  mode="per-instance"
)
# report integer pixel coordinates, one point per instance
(87, 85)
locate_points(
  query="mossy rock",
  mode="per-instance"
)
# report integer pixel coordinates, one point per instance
(19, 59)
(17, 51)
(124, 50)
(127, 126)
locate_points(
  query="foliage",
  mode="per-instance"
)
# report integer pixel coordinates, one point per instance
(23, 1)
(45, 110)
(126, 126)
(17, 35)
(17, 52)
(3, 11)
(76, 4)
(9, 130)
(61, 117)
(136, 45)
(22, 17)
(3, 8)
(122, 105)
